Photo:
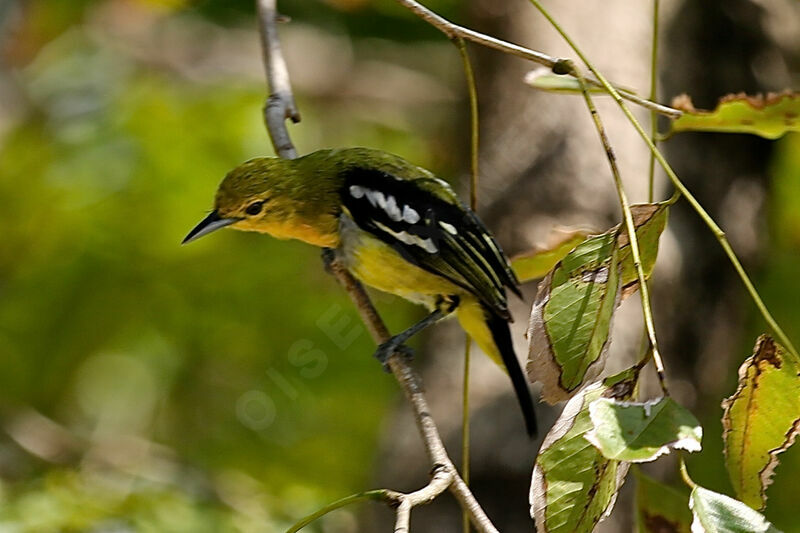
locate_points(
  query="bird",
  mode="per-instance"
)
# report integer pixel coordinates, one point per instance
(396, 227)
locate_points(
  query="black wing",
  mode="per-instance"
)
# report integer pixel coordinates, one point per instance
(427, 224)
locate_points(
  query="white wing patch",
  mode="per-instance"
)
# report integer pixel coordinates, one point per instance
(392, 210)
(389, 204)
(491, 244)
(449, 228)
(356, 191)
(407, 238)
(410, 215)
(375, 198)
(406, 214)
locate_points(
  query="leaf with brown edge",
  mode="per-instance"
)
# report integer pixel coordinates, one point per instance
(573, 487)
(769, 116)
(761, 419)
(570, 324)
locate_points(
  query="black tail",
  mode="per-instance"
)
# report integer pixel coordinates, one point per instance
(502, 338)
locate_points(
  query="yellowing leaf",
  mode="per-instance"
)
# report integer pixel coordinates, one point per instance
(761, 419)
(536, 264)
(573, 485)
(768, 116)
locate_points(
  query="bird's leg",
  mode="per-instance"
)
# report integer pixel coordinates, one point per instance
(328, 257)
(444, 306)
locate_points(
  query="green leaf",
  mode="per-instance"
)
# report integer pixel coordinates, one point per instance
(761, 419)
(571, 318)
(537, 263)
(544, 79)
(660, 508)
(650, 221)
(768, 116)
(640, 432)
(717, 513)
(570, 323)
(573, 485)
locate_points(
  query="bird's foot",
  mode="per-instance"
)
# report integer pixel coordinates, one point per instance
(390, 347)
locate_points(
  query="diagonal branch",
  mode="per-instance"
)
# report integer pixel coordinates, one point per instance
(454, 31)
(412, 387)
(644, 288)
(280, 106)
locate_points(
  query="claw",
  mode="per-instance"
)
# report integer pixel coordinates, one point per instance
(390, 347)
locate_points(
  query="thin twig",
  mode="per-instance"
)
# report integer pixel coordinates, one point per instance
(653, 95)
(630, 226)
(474, 146)
(453, 31)
(465, 449)
(379, 495)
(280, 102)
(685, 473)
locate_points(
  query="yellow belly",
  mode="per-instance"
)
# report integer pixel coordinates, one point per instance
(378, 265)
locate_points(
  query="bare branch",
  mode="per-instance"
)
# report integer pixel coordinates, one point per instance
(280, 103)
(441, 479)
(412, 386)
(280, 106)
(454, 31)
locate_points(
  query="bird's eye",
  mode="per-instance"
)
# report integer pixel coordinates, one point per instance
(254, 208)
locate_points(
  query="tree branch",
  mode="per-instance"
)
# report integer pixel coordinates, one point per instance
(280, 102)
(412, 387)
(441, 479)
(279, 107)
(453, 31)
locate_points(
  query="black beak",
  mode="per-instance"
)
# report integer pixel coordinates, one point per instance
(211, 223)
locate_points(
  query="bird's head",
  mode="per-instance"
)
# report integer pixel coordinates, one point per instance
(272, 195)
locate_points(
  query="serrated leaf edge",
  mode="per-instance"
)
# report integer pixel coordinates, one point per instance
(765, 474)
(564, 423)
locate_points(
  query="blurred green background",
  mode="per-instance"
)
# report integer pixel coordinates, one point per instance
(219, 386)
(223, 386)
